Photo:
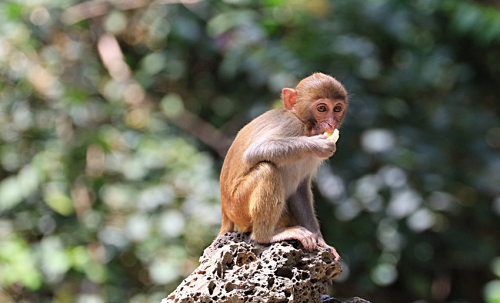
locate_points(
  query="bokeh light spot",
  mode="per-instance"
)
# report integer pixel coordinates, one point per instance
(377, 140)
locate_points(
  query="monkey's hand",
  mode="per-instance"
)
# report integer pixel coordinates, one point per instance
(324, 148)
(322, 243)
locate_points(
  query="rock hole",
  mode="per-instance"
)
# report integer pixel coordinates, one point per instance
(211, 287)
(284, 272)
(218, 271)
(240, 261)
(270, 282)
(230, 287)
(288, 293)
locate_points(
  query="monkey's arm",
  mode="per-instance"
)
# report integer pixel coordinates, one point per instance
(284, 151)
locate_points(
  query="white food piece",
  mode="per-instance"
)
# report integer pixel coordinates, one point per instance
(334, 136)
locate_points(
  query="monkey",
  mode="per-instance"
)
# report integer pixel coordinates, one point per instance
(266, 176)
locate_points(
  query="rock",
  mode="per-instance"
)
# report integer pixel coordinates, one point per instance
(327, 299)
(234, 269)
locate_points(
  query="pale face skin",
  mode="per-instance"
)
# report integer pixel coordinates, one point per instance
(328, 114)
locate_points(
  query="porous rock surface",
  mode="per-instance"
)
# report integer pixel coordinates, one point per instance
(234, 269)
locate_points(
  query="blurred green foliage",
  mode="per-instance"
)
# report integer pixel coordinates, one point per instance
(115, 115)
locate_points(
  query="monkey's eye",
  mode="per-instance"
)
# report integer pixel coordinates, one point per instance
(337, 108)
(321, 108)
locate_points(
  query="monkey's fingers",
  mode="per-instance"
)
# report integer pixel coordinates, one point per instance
(335, 254)
(308, 242)
(307, 239)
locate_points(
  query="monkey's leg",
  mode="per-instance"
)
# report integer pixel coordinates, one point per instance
(227, 224)
(267, 206)
(267, 200)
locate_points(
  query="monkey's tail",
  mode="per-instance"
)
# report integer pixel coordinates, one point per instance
(227, 225)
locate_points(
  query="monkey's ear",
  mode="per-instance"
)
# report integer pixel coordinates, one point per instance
(289, 96)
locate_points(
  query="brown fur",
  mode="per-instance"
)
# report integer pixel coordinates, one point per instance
(266, 176)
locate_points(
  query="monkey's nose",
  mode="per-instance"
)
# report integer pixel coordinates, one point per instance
(327, 126)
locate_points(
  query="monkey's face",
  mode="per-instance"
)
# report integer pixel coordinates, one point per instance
(326, 115)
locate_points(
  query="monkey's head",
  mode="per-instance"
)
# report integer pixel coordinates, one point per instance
(319, 101)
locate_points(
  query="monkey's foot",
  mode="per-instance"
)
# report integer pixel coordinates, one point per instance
(322, 243)
(307, 238)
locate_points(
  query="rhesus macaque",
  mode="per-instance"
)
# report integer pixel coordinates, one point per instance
(266, 176)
